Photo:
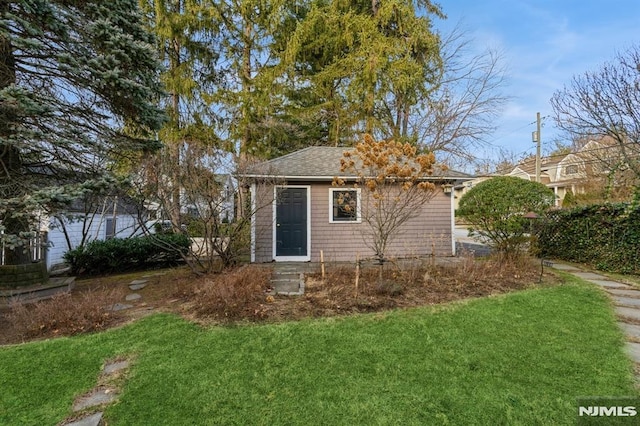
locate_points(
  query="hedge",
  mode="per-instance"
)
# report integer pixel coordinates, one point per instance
(116, 254)
(606, 236)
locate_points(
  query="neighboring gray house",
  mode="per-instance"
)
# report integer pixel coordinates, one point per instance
(307, 218)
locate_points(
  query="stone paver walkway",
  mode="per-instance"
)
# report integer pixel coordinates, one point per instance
(134, 286)
(626, 300)
(103, 394)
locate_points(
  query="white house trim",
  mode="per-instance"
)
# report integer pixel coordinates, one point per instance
(358, 205)
(453, 223)
(253, 193)
(306, 258)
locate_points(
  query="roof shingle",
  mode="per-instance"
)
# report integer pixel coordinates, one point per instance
(318, 162)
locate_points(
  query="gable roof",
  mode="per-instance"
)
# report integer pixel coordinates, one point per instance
(529, 166)
(322, 163)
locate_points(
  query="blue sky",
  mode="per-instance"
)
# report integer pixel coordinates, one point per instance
(543, 45)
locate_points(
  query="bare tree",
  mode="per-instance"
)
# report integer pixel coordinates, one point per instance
(504, 162)
(209, 182)
(604, 105)
(460, 115)
(84, 216)
(393, 178)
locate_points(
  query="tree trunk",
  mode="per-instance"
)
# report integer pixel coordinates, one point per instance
(173, 151)
(246, 117)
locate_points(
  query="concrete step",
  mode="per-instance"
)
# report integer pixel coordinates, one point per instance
(287, 283)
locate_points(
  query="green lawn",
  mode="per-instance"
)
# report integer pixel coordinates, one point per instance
(521, 358)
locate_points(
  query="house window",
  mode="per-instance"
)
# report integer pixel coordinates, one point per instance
(110, 231)
(571, 170)
(344, 205)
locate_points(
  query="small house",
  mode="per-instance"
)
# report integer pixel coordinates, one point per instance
(297, 214)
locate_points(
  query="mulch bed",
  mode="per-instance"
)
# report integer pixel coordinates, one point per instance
(409, 285)
(406, 287)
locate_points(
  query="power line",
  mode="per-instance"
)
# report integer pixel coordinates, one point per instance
(520, 128)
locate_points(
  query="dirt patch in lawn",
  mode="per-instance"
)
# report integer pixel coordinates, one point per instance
(244, 294)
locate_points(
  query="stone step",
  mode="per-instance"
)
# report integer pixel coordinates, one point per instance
(38, 292)
(626, 301)
(94, 398)
(561, 266)
(286, 286)
(136, 285)
(633, 350)
(589, 276)
(94, 419)
(276, 272)
(623, 293)
(120, 307)
(133, 296)
(284, 278)
(609, 284)
(631, 330)
(631, 313)
(287, 277)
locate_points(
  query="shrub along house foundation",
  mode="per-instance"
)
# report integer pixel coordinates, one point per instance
(297, 214)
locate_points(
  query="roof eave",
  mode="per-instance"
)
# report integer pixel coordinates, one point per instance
(330, 178)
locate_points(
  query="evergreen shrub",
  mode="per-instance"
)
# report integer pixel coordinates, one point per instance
(116, 254)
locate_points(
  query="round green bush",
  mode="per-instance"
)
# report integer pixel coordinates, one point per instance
(496, 210)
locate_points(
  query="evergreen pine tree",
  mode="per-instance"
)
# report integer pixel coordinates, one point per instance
(78, 87)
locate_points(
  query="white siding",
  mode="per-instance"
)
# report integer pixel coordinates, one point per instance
(94, 230)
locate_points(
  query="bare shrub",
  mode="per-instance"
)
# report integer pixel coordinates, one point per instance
(388, 288)
(418, 281)
(232, 295)
(476, 277)
(65, 314)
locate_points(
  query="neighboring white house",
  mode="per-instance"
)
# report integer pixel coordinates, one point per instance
(113, 217)
(77, 225)
(599, 159)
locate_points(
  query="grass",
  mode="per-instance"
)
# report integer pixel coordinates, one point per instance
(521, 358)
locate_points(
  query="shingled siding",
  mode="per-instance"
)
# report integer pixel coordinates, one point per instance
(427, 234)
(262, 228)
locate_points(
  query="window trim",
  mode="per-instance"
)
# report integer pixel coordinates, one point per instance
(358, 205)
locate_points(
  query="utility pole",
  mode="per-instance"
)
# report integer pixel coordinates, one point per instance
(536, 139)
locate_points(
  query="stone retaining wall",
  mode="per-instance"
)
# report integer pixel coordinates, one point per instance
(14, 276)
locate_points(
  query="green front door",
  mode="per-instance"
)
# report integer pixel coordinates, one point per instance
(291, 222)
